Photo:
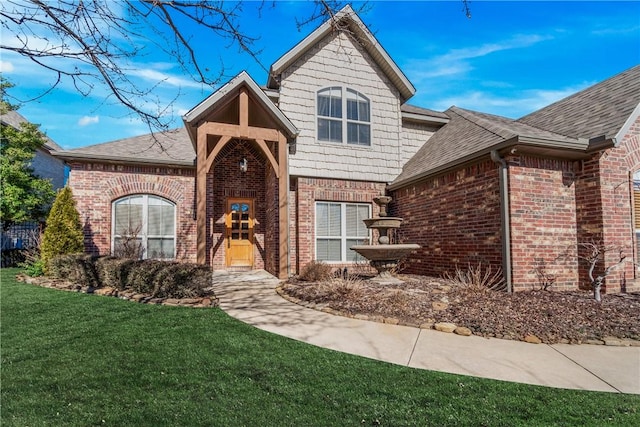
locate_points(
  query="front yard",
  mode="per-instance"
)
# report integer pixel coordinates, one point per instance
(72, 359)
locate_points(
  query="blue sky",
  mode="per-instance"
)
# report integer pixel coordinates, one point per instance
(510, 59)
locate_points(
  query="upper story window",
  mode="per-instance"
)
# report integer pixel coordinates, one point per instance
(344, 115)
(144, 227)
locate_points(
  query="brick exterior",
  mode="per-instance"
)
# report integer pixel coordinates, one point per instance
(543, 221)
(305, 192)
(96, 186)
(455, 218)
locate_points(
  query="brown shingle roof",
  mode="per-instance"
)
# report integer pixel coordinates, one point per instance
(569, 124)
(469, 135)
(600, 110)
(172, 147)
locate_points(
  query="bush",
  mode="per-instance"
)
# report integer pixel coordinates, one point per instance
(114, 272)
(76, 268)
(33, 267)
(478, 278)
(315, 271)
(182, 281)
(158, 279)
(63, 234)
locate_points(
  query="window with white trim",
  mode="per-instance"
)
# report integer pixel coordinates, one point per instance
(338, 227)
(147, 223)
(344, 115)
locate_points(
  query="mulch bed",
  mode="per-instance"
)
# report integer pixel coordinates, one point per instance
(552, 317)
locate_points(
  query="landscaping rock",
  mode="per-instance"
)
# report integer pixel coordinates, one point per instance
(445, 327)
(426, 325)
(532, 339)
(461, 330)
(613, 341)
(439, 305)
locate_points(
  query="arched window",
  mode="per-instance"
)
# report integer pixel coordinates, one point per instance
(144, 226)
(343, 115)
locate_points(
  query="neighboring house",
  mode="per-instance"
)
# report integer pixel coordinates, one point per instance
(275, 177)
(45, 165)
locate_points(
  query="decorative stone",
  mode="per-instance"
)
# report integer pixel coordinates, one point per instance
(532, 339)
(104, 291)
(445, 327)
(613, 341)
(426, 325)
(391, 320)
(461, 330)
(594, 342)
(170, 301)
(439, 305)
(190, 301)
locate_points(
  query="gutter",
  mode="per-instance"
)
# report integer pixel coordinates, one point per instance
(503, 174)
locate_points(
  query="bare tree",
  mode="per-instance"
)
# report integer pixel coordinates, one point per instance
(594, 253)
(93, 43)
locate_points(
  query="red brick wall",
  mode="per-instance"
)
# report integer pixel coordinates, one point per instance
(306, 191)
(96, 186)
(543, 221)
(455, 217)
(227, 181)
(612, 170)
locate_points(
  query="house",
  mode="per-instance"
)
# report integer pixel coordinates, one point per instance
(525, 195)
(275, 177)
(44, 165)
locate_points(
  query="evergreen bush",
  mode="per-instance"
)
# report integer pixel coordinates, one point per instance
(63, 234)
(79, 269)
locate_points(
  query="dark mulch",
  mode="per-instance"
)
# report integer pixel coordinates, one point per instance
(570, 317)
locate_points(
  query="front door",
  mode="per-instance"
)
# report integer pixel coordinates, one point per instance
(239, 239)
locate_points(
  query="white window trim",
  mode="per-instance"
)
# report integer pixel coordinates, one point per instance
(343, 227)
(145, 216)
(345, 122)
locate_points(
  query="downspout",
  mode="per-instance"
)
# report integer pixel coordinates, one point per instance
(503, 174)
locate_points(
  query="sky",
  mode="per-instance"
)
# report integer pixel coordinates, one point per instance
(510, 58)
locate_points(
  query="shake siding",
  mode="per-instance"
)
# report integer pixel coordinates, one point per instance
(337, 60)
(414, 135)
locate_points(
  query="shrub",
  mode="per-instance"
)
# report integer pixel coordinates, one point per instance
(76, 268)
(478, 278)
(33, 267)
(63, 234)
(315, 271)
(113, 272)
(143, 276)
(177, 280)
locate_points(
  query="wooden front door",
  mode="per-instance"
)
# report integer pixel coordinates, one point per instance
(239, 225)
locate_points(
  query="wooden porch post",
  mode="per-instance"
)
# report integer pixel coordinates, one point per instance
(201, 208)
(283, 205)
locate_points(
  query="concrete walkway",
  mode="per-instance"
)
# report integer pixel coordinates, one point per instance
(251, 298)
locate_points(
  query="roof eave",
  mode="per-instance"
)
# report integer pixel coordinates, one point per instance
(69, 156)
(421, 118)
(530, 145)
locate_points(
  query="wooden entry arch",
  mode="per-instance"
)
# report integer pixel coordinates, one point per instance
(210, 137)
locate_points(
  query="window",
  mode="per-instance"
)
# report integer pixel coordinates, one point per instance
(144, 225)
(354, 127)
(338, 227)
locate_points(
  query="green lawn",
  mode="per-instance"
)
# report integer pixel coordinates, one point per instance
(71, 359)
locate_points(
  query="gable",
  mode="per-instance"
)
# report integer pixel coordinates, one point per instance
(222, 107)
(348, 23)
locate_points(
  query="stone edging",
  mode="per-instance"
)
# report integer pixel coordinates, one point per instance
(205, 302)
(442, 327)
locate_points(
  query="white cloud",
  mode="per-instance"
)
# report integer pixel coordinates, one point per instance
(6, 67)
(458, 61)
(157, 76)
(512, 105)
(87, 120)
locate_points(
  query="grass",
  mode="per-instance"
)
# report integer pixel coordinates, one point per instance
(71, 359)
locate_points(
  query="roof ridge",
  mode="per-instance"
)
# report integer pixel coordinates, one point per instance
(469, 114)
